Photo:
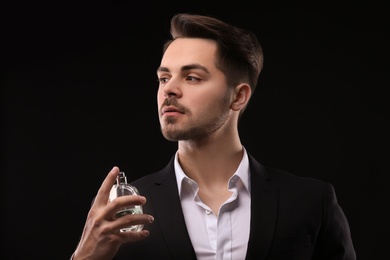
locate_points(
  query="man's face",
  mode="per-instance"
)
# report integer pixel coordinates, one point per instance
(193, 98)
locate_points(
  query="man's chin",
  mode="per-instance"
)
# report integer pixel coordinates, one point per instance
(173, 135)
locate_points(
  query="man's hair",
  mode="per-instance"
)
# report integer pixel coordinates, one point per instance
(239, 54)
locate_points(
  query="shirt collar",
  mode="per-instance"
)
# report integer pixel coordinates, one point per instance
(242, 172)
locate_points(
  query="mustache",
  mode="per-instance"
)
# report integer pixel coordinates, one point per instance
(170, 102)
(173, 102)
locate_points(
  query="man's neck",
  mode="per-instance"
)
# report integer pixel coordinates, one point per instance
(211, 164)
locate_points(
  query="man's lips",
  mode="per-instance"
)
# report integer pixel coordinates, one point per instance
(170, 110)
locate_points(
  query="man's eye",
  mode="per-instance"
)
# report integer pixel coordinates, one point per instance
(162, 80)
(191, 78)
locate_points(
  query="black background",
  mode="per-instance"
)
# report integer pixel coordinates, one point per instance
(78, 96)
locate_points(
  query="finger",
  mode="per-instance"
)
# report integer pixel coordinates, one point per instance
(104, 190)
(132, 236)
(124, 201)
(131, 220)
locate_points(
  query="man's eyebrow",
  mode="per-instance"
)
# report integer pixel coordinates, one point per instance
(185, 68)
(162, 69)
(195, 66)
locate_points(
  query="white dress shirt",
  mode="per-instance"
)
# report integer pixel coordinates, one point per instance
(224, 235)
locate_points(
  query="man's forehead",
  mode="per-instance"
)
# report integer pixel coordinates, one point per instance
(186, 51)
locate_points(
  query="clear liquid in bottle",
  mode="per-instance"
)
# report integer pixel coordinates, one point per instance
(122, 188)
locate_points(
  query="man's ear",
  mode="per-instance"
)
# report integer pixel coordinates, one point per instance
(242, 94)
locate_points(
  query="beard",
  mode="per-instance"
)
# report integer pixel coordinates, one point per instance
(200, 126)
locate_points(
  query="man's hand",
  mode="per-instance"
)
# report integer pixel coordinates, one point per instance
(101, 236)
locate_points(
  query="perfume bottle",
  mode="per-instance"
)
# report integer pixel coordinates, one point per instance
(122, 188)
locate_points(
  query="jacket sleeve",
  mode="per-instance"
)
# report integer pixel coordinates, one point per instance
(334, 241)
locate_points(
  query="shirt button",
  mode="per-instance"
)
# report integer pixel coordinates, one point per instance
(208, 212)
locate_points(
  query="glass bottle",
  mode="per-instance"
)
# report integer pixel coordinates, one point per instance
(122, 188)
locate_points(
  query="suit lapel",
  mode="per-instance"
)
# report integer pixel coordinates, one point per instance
(264, 201)
(169, 215)
(170, 218)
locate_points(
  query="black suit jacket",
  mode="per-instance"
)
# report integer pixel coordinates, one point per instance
(291, 218)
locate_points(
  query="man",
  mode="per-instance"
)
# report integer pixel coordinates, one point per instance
(214, 200)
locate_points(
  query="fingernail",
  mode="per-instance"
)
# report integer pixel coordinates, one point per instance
(151, 219)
